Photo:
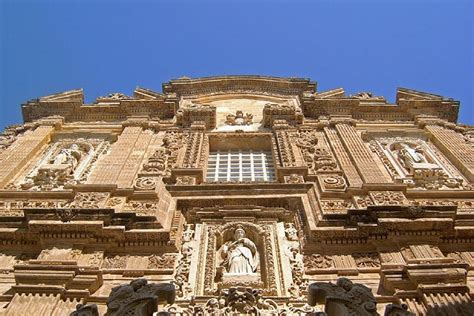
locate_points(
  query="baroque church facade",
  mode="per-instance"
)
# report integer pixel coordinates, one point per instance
(237, 194)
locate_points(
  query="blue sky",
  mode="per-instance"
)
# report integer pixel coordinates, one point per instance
(114, 46)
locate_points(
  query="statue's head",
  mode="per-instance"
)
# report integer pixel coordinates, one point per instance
(75, 146)
(239, 233)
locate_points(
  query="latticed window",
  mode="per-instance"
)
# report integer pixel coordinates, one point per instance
(240, 165)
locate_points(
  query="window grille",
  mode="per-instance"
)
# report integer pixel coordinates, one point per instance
(240, 166)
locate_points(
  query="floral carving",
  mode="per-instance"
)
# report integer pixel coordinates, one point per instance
(165, 261)
(165, 157)
(115, 201)
(90, 199)
(145, 208)
(335, 206)
(297, 271)
(317, 261)
(362, 201)
(315, 151)
(389, 198)
(114, 262)
(367, 260)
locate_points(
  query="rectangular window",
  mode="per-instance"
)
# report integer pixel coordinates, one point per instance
(240, 166)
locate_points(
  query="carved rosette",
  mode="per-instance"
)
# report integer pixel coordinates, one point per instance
(332, 182)
(146, 183)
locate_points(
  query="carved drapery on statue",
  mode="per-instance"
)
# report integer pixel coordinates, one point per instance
(65, 162)
(240, 255)
(416, 163)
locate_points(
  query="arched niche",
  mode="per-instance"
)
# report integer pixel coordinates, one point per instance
(261, 235)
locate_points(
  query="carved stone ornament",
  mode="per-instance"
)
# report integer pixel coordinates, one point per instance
(181, 277)
(389, 198)
(115, 96)
(335, 206)
(146, 183)
(65, 162)
(367, 260)
(416, 163)
(66, 215)
(165, 157)
(165, 261)
(139, 298)
(239, 118)
(315, 151)
(90, 199)
(333, 182)
(144, 208)
(294, 178)
(276, 111)
(85, 310)
(185, 180)
(343, 298)
(247, 301)
(291, 232)
(366, 96)
(317, 261)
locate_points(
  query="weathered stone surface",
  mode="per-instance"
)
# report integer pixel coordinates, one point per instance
(237, 194)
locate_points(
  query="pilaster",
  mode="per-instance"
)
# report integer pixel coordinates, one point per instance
(368, 168)
(455, 148)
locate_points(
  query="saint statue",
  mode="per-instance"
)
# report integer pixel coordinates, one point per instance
(70, 155)
(240, 255)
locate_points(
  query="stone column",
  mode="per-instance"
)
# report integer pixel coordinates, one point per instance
(452, 144)
(26, 147)
(368, 168)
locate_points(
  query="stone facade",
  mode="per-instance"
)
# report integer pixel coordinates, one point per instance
(238, 194)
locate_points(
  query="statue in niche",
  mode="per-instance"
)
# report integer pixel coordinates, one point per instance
(69, 156)
(240, 255)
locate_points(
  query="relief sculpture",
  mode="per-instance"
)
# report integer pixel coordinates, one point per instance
(412, 161)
